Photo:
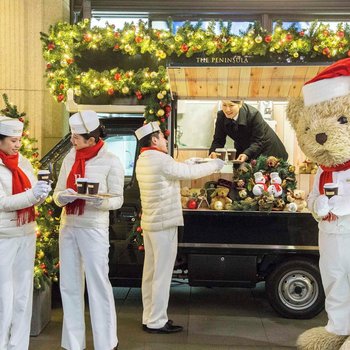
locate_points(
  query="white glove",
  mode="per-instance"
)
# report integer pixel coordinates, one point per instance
(96, 202)
(41, 189)
(219, 163)
(64, 199)
(321, 206)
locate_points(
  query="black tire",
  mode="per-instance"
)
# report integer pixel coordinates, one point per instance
(294, 289)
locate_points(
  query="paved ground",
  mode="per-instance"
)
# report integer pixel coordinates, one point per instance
(213, 318)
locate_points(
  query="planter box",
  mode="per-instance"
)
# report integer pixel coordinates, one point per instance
(41, 314)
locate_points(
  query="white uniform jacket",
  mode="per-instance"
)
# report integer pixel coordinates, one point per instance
(106, 168)
(158, 175)
(9, 204)
(342, 206)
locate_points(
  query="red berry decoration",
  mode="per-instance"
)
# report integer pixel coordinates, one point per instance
(116, 47)
(192, 204)
(184, 48)
(117, 76)
(326, 51)
(87, 37)
(302, 33)
(139, 39)
(141, 248)
(139, 229)
(167, 109)
(61, 86)
(110, 91)
(341, 34)
(60, 97)
(70, 60)
(162, 120)
(268, 38)
(50, 46)
(116, 34)
(49, 66)
(289, 37)
(21, 119)
(50, 212)
(167, 132)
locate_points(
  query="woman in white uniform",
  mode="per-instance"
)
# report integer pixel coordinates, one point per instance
(19, 192)
(84, 236)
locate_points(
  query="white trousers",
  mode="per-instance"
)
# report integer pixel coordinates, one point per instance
(86, 250)
(335, 273)
(160, 255)
(16, 291)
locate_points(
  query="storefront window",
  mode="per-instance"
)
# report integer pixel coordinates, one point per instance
(306, 25)
(118, 22)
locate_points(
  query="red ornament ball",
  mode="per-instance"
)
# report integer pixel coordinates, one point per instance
(268, 38)
(139, 39)
(167, 132)
(141, 248)
(167, 109)
(87, 37)
(326, 51)
(60, 97)
(61, 86)
(192, 204)
(139, 229)
(116, 47)
(110, 91)
(116, 34)
(51, 46)
(289, 37)
(117, 76)
(302, 33)
(184, 48)
(49, 66)
(340, 34)
(21, 119)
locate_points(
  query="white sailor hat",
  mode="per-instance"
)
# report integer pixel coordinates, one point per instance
(10, 126)
(84, 122)
(147, 129)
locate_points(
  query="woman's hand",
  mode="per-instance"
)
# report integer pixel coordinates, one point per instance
(213, 155)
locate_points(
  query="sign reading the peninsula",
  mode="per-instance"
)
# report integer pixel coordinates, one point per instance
(222, 60)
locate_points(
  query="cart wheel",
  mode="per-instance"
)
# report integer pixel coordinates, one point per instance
(294, 289)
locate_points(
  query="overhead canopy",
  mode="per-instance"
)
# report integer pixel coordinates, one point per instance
(240, 82)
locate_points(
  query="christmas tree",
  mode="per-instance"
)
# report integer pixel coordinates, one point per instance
(46, 258)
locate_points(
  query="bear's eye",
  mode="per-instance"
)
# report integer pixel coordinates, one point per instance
(307, 129)
(342, 120)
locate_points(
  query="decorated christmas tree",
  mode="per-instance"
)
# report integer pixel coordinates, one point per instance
(46, 258)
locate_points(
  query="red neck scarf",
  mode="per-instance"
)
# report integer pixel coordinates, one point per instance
(327, 174)
(20, 183)
(78, 170)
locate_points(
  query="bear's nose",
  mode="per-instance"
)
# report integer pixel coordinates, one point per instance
(321, 138)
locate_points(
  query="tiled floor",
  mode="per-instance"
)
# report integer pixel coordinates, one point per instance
(213, 318)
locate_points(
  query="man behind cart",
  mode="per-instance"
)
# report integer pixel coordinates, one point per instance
(159, 175)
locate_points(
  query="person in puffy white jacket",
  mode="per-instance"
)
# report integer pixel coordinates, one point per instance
(19, 192)
(159, 175)
(84, 235)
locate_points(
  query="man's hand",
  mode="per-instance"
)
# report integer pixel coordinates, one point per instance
(242, 157)
(213, 155)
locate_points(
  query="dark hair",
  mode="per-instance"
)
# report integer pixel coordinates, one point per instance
(98, 133)
(147, 140)
(237, 101)
(2, 137)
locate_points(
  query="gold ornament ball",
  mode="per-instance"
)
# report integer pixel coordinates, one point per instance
(151, 111)
(164, 92)
(160, 112)
(258, 39)
(125, 90)
(63, 63)
(218, 205)
(160, 96)
(295, 55)
(49, 199)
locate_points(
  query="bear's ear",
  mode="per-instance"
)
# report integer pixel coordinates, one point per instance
(295, 110)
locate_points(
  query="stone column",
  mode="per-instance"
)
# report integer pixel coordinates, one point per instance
(22, 67)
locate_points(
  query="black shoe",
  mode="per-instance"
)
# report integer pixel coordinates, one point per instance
(144, 326)
(168, 328)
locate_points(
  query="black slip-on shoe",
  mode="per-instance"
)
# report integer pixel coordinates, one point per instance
(144, 326)
(168, 328)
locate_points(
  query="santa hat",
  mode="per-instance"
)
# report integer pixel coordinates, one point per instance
(10, 126)
(84, 122)
(147, 129)
(334, 81)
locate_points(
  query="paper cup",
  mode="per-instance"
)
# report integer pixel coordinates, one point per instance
(330, 189)
(82, 185)
(44, 175)
(92, 186)
(231, 154)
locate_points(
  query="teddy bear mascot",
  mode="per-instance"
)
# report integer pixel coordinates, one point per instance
(322, 124)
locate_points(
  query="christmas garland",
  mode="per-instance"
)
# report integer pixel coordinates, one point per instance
(66, 46)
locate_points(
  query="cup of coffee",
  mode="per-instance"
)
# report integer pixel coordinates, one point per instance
(221, 153)
(92, 186)
(44, 175)
(82, 184)
(231, 154)
(330, 189)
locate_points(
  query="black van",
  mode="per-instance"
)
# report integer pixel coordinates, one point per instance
(216, 248)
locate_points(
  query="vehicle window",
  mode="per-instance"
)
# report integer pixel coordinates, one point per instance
(124, 147)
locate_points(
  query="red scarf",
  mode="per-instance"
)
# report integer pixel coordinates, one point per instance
(327, 174)
(78, 170)
(20, 183)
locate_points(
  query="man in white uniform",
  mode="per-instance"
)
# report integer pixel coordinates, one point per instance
(84, 236)
(158, 175)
